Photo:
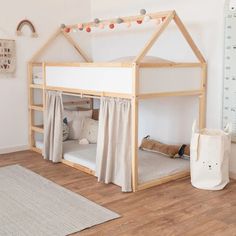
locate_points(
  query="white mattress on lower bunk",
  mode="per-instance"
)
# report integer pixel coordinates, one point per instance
(84, 155)
(151, 165)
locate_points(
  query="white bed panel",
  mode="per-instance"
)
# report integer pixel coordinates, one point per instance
(99, 79)
(157, 80)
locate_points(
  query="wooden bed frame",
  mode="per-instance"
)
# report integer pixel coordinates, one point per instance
(135, 97)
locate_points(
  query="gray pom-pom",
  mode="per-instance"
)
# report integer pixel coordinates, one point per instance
(143, 11)
(63, 26)
(96, 21)
(119, 20)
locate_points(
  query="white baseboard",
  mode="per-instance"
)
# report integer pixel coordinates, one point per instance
(232, 175)
(13, 149)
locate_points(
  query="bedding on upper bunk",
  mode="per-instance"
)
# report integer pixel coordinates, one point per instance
(146, 59)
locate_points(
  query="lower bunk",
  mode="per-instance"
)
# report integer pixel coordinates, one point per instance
(153, 167)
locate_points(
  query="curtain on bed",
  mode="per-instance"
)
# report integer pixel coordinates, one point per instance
(53, 127)
(114, 143)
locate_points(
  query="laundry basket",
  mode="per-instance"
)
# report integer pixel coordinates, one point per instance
(209, 158)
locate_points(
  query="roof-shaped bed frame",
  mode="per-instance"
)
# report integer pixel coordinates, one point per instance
(130, 73)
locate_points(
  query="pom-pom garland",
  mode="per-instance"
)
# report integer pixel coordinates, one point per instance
(101, 26)
(67, 29)
(146, 18)
(128, 24)
(88, 29)
(96, 21)
(143, 11)
(80, 26)
(119, 21)
(111, 26)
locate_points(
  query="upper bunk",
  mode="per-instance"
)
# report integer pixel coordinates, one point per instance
(141, 76)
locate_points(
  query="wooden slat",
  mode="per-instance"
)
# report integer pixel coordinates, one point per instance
(135, 128)
(189, 39)
(178, 64)
(170, 94)
(90, 92)
(154, 37)
(78, 167)
(37, 64)
(36, 86)
(163, 180)
(37, 107)
(30, 101)
(76, 46)
(90, 64)
(37, 128)
(202, 99)
(126, 19)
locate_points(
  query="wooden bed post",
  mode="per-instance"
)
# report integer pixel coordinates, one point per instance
(135, 105)
(202, 98)
(30, 101)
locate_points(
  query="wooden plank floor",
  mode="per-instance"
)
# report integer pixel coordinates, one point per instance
(175, 208)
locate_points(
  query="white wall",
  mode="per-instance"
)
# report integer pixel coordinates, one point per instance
(46, 16)
(204, 20)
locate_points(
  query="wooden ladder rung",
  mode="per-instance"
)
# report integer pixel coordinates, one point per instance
(36, 86)
(38, 107)
(37, 128)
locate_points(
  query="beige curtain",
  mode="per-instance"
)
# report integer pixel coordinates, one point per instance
(114, 143)
(53, 127)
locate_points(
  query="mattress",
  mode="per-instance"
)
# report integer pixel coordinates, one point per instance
(151, 165)
(37, 81)
(154, 166)
(84, 155)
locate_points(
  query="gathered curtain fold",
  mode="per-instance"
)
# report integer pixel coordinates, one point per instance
(53, 130)
(113, 160)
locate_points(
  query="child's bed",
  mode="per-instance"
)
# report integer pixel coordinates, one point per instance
(151, 165)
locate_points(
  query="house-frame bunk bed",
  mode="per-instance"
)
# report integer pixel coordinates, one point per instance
(129, 81)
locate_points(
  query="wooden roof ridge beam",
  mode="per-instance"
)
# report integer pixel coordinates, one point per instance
(189, 39)
(155, 36)
(125, 19)
(76, 46)
(45, 46)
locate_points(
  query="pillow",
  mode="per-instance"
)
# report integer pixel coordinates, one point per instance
(90, 130)
(172, 151)
(65, 129)
(75, 122)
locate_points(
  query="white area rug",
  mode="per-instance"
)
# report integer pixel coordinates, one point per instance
(31, 205)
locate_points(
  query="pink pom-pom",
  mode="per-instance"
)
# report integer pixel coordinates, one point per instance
(88, 29)
(128, 24)
(67, 30)
(80, 26)
(111, 26)
(101, 26)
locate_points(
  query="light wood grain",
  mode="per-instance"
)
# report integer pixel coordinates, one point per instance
(175, 208)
